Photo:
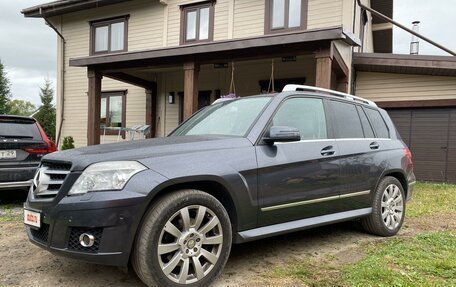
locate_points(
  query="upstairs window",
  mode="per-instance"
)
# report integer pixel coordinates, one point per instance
(285, 15)
(197, 23)
(109, 36)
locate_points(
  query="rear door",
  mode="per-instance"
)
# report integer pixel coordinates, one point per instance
(17, 135)
(358, 151)
(298, 179)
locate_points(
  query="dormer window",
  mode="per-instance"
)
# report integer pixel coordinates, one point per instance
(109, 36)
(285, 15)
(197, 23)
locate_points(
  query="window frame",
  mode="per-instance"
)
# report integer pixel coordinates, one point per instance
(183, 26)
(107, 95)
(108, 22)
(268, 17)
(326, 109)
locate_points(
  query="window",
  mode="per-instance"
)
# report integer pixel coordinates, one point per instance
(346, 121)
(109, 36)
(285, 15)
(305, 114)
(197, 23)
(379, 125)
(112, 111)
(367, 128)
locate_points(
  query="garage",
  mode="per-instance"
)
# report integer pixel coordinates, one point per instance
(430, 134)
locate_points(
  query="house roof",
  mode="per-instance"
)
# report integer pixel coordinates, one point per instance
(274, 44)
(405, 64)
(65, 6)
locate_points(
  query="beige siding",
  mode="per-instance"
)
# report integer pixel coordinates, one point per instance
(401, 87)
(144, 32)
(248, 18)
(324, 13)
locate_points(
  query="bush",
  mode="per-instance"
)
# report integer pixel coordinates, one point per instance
(68, 143)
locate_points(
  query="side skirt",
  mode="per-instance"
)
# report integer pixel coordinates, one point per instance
(301, 224)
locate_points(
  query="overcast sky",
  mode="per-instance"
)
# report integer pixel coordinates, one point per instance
(28, 46)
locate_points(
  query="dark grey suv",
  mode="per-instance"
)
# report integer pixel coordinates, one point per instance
(236, 171)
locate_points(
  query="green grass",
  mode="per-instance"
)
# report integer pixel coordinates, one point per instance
(423, 260)
(9, 212)
(430, 198)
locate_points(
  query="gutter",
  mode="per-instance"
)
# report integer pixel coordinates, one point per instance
(62, 79)
(386, 18)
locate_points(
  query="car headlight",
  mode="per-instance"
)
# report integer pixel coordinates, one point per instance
(110, 175)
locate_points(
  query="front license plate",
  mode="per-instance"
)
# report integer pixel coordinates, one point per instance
(32, 218)
(7, 154)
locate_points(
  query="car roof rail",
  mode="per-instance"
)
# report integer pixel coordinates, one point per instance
(298, 88)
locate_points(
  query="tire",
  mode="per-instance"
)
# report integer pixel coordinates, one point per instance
(388, 208)
(199, 243)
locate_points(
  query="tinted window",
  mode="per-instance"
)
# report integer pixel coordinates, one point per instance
(346, 120)
(305, 114)
(368, 132)
(20, 129)
(376, 119)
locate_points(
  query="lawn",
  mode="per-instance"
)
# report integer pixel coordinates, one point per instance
(424, 257)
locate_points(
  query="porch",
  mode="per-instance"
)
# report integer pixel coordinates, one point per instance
(178, 81)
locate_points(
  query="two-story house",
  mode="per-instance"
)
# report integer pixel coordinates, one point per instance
(128, 62)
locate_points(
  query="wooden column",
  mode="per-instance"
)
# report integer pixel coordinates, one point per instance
(191, 72)
(323, 69)
(94, 106)
(151, 110)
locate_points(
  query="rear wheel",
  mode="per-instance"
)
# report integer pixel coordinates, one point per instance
(388, 208)
(185, 239)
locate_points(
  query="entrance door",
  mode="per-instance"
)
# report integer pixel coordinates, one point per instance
(204, 99)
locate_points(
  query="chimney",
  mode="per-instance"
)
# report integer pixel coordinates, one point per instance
(415, 44)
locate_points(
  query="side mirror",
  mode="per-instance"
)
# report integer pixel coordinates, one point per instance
(282, 134)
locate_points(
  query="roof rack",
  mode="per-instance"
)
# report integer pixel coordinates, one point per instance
(296, 88)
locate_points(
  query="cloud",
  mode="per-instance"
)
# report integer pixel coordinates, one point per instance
(28, 49)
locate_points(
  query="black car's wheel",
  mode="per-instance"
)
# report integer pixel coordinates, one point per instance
(388, 209)
(185, 239)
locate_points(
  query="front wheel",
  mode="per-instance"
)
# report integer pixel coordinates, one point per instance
(388, 209)
(185, 239)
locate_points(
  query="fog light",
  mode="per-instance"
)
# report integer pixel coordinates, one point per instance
(86, 240)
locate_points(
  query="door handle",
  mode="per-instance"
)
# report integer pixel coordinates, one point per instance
(374, 145)
(327, 151)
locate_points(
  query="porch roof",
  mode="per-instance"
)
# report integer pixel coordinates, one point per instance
(226, 50)
(405, 64)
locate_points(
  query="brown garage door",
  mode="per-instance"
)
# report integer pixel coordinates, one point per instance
(431, 136)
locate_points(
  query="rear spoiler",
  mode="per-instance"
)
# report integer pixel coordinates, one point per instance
(16, 119)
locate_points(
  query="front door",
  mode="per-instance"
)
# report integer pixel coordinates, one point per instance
(298, 179)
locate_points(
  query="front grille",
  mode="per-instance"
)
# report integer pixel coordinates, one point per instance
(50, 179)
(41, 234)
(73, 242)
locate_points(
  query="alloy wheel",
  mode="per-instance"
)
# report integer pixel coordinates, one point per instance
(190, 244)
(392, 206)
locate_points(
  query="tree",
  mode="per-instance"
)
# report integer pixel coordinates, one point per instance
(21, 107)
(46, 114)
(5, 93)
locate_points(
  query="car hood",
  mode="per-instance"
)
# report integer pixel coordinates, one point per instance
(142, 149)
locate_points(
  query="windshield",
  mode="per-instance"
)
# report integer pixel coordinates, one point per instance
(229, 118)
(19, 129)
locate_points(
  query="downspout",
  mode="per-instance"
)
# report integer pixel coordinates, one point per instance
(62, 76)
(386, 18)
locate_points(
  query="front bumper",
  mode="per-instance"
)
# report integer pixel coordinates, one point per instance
(111, 216)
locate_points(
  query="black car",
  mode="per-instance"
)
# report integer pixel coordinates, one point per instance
(22, 145)
(238, 170)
